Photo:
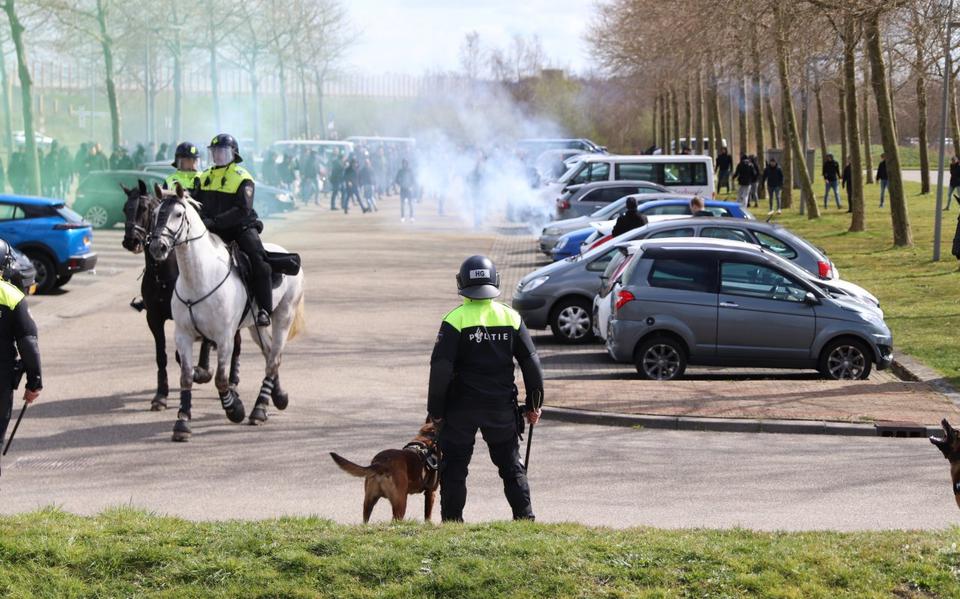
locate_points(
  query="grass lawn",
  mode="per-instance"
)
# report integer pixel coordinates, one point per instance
(920, 298)
(124, 553)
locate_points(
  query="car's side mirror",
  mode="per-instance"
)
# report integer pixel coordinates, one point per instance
(810, 299)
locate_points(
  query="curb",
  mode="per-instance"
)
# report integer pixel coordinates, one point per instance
(726, 425)
(911, 369)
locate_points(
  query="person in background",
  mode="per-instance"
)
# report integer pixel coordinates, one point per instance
(351, 186)
(831, 177)
(882, 177)
(407, 184)
(367, 182)
(773, 179)
(954, 181)
(755, 186)
(161, 153)
(629, 220)
(335, 170)
(745, 176)
(723, 168)
(697, 207)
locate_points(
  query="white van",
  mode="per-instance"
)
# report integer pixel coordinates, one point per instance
(687, 174)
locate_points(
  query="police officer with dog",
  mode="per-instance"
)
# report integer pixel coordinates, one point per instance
(226, 194)
(19, 352)
(472, 388)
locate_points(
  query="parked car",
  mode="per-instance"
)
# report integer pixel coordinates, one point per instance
(583, 200)
(534, 147)
(598, 233)
(555, 229)
(603, 302)
(723, 303)
(17, 268)
(54, 237)
(100, 198)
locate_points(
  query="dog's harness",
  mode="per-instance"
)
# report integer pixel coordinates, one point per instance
(430, 458)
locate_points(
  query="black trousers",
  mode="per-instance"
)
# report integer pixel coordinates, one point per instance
(249, 242)
(6, 410)
(457, 437)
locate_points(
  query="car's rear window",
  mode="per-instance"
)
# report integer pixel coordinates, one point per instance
(69, 215)
(687, 275)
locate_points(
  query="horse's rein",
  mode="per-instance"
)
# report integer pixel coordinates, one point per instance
(174, 235)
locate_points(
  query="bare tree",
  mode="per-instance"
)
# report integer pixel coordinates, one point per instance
(26, 95)
(471, 55)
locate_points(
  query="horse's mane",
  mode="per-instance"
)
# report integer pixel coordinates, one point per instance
(187, 198)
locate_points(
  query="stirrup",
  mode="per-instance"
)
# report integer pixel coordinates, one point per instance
(263, 318)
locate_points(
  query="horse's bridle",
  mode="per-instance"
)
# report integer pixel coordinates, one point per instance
(174, 235)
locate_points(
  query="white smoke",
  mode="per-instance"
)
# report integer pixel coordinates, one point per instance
(471, 161)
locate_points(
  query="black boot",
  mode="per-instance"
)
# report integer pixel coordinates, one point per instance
(263, 318)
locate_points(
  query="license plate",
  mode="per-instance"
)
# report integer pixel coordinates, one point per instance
(32, 290)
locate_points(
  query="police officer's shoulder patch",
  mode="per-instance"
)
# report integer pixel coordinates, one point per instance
(248, 192)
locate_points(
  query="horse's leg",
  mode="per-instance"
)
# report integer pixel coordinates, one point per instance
(235, 361)
(229, 398)
(201, 372)
(159, 401)
(280, 397)
(272, 347)
(181, 429)
(259, 413)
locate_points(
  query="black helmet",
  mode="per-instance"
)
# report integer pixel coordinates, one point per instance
(225, 140)
(6, 258)
(478, 278)
(184, 150)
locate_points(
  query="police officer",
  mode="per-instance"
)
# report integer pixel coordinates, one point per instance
(472, 387)
(18, 336)
(186, 159)
(226, 193)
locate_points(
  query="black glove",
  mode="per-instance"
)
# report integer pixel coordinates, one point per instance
(210, 223)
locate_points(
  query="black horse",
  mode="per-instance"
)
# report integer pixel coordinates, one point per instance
(156, 288)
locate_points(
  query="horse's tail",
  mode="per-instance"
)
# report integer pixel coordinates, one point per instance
(299, 320)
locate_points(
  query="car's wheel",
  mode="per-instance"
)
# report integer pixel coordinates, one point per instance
(571, 321)
(661, 359)
(845, 360)
(63, 280)
(98, 216)
(46, 271)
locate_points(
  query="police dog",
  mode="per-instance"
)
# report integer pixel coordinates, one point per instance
(396, 473)
(949, 444)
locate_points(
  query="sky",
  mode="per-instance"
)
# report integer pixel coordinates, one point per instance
(417, 36)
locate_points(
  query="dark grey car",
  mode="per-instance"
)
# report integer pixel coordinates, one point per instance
(689, 301)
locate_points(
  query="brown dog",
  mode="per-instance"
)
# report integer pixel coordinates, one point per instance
(396, 473)
(949, 444)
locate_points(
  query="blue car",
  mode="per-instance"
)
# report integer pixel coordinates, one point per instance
(569, 244)
(54, 237)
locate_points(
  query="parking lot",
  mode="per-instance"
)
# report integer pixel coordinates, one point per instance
(376, 293)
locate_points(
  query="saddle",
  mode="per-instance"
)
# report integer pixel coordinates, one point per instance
(281, 265)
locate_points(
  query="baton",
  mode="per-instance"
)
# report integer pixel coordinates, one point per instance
(23, 410)
(526, 461)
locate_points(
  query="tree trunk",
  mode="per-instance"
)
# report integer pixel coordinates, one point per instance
(304, 102)
(284, 114)
(322, 122)
(792, 133)
(954, 121)
(821, 128)
(214, 76)
(7, 110)
(919, 73)
(106, 44)
(674, 107)
(865, 119)
(772, 116)
(757, 99)
(717, 140)
(842, 112)
(787, 194)
(255, 96)
(855, 192)
(699, 113)
(26, 98)
(893, 104)
(744, 133)
(687, 116)
(654, 125)
(902, 235)
(177, 79)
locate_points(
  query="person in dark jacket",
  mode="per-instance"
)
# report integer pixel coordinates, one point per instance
(351, 186)
(18, 338)
(724, 166)
(773, 179)
(407, 183)
(847, 184)
(831, 177)
(335, 170)
(472, 387)
(882, 177)
(954, 181)
(697, 207)
(745, 175)
(367, 179)
(629, 220)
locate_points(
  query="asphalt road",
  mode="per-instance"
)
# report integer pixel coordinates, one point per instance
(377, 291)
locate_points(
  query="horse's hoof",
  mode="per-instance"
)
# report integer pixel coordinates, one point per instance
(181, 431)
(235, 413)
(201, 375)
(281, 400)
(158, 403)
(258, 416)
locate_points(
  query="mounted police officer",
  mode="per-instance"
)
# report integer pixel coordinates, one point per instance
(226, 193)
(19, 353)
(186, 159)
(472, 387)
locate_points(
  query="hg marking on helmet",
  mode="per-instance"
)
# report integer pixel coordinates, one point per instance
(482, 273)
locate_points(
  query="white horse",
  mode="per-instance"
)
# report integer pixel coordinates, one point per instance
(211, 302)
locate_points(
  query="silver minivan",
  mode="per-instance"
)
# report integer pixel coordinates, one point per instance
(692, 301)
